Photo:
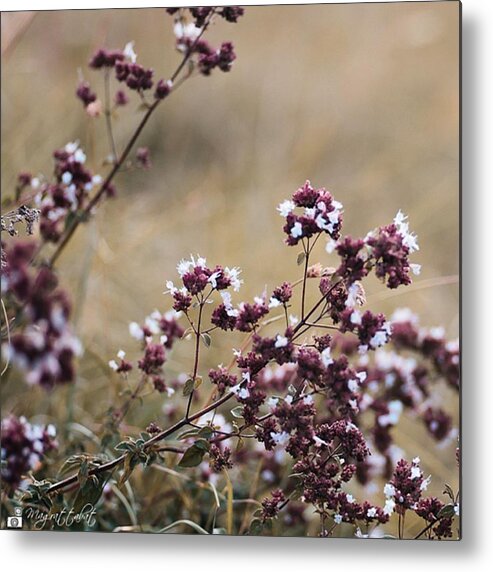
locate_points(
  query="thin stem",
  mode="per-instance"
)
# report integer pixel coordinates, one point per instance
(305, 274)
(196, 359)
(107, 114)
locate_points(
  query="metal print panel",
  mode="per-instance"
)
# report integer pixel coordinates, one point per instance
(230, 271)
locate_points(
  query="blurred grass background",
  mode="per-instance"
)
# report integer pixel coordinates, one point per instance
(362, 99)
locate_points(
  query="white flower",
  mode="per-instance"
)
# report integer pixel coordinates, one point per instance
(350, 499)
(280, 439)
(330, 246)
(272, 402)
(129, 53)
(163, 339)
(281, 342)
(371, 512)
(274, 302)
(337, 518)
(171, 288)
(389, 490)
(112, 363)
(121, 354)
(393, 416)
(213, 279)
(399, 219)
(51, 430)
(97, 180)
(35, 182)
(308, 400)
(285, 208)
(67, 178)
(326, 357)
(234, 276)
(186, 31)
(136, 331)
(72, 147)
(297, 230)
(424, 485)
(415, 269)
(388, 509)
(416, 461)
(80, 156)
(355, 318)
(415, 473)
(319, 442)
(361, 376)
(353, 385)
(293, 320)
(152, 323)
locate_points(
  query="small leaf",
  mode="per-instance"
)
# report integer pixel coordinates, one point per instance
(192, 457)
(256, 527)
(301, 258)
(237, 411)
(447, 511)
(207, 340)
(206, 432)
(202, 444)
(188, 387)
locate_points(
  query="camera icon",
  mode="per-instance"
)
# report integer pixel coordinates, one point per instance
(14, 522)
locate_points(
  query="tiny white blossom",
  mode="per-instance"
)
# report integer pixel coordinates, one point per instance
(112, 363)
(136, 331)
(272, 402)
(285, 208)
(121, 354)
(281, 342)
(234, 276)
(319, 442)
(274, 302)
(388, 509)
(293, 320)
(186, 31)
(80, 156)
(326, 357)
(67, 178)
(371, 512)
(415, 269)
(72, 147)
(129, 52)
(389, 490)
(280, 439)
(337, 518)
(297, 230)
(330, 246)
(415, 473)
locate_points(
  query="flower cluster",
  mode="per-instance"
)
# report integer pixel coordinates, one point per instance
(386, 250)
(67, 194)
(43, 346)
(189, 36)
(23, 448)
(320, 214)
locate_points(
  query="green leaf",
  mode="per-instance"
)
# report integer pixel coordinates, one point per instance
(237, 411)
(256, 527)
(207, 340)
(192, 457)
(301, 258)
(206, 432)
(202, 444)
(447, 511)
(188, 387)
